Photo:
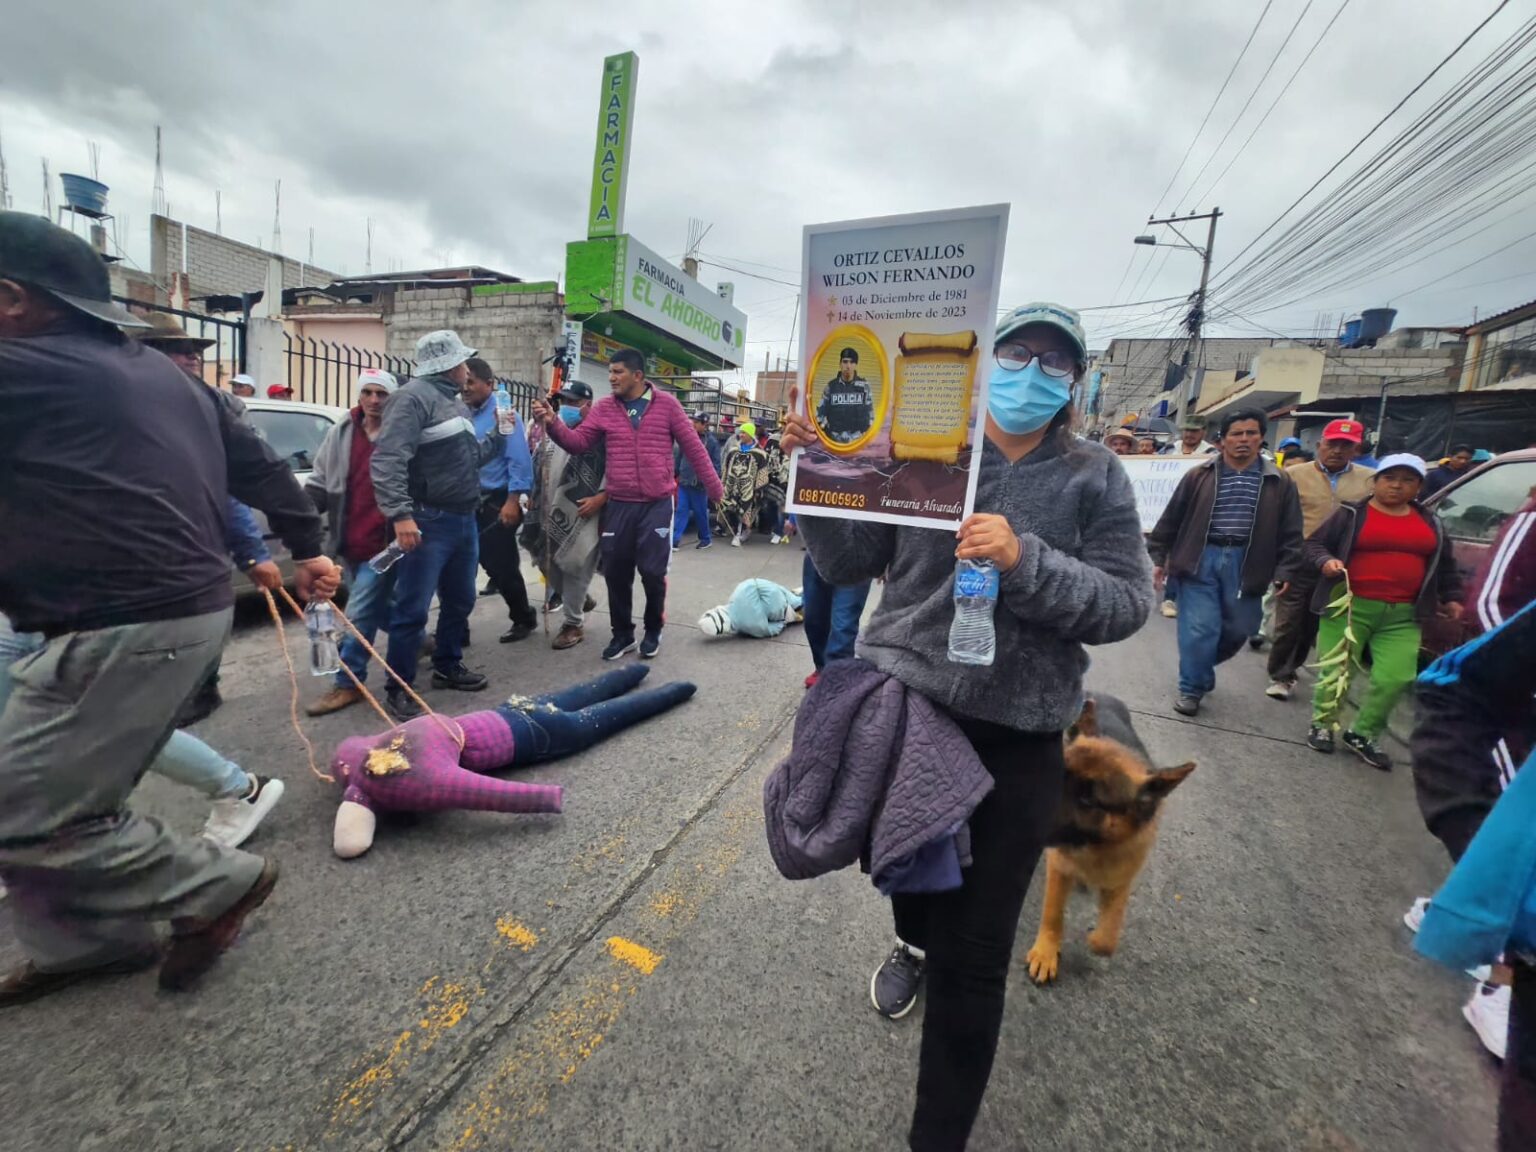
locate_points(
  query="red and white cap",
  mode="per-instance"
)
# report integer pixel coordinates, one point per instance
(1351, 430)
(377, 378)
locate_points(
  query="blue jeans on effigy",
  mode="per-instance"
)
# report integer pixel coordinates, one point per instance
(832, 615)
(573, 720)
(444, 565)
(184, 759)
(692, 504)
(370, 599)
(1215, 618)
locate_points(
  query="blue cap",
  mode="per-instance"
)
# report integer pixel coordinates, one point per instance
(1290, 442)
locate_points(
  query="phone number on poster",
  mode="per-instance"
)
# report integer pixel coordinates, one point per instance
(831, 499)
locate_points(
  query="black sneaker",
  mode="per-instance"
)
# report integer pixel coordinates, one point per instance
(490, 588)
(459, 678)
(619, 646)
(401, 706)
(703, 544)
(518, 631)
(1367, 750)
(650, 646)
(1320, 738)
(588, 604)
(555, 601)
(893, 987)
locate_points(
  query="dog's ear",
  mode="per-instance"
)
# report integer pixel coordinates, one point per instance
(1165, 780)
(1087, 723)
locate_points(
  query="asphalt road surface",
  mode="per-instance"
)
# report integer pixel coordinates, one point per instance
(634, 974)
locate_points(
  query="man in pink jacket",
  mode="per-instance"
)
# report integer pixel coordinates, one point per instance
(638, 426)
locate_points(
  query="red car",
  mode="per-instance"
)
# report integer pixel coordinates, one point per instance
(1473, 508)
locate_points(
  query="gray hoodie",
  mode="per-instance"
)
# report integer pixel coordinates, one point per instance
(1083, 578)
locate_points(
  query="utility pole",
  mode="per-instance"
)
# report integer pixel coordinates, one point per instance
(1194, 321)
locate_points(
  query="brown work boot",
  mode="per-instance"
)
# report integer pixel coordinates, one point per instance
(29, 983)
(334, 701)
(197, 944)
(570, 636)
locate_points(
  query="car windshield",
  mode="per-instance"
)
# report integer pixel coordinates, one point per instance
(1477, 509)
(295, 436)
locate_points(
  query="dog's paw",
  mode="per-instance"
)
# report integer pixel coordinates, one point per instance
(1102, 943)
(1042, 959)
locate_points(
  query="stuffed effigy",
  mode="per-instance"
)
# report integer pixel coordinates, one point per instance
(439, 763)
(758, 608)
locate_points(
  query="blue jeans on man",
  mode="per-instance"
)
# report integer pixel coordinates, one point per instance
(369, 603)
(692, 504)
(832, 615)
(1215, 618)
(444, 564)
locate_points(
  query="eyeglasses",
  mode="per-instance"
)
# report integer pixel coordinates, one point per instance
(1013, 357)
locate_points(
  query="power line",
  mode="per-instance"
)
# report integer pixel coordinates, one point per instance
(1219, 93)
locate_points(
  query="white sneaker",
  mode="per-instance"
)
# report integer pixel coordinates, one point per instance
(234, 818)
(1488, 1013)
(1415, 914)
(735, 541)
(1170, 609)
(776, 539)
(1279, 690)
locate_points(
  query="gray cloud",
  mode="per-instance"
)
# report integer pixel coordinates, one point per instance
(467, 127)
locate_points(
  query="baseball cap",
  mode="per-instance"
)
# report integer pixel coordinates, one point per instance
(1192, 424)
(377, 378)
(1401, 460)
(243, 378)
(1057, 316)
(1290, 442)
(1351, 430)
(700, 417)
(276, 390)
(42, 254)
(441, 351)
(576, 391)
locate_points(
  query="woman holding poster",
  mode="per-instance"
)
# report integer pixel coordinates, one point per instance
(1058, 518)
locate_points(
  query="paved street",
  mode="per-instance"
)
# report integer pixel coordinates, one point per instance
(633, 974)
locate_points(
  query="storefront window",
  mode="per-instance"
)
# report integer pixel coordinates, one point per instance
(1508, 354)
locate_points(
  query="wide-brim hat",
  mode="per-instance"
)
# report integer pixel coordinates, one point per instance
(441, 351)
(165, 330)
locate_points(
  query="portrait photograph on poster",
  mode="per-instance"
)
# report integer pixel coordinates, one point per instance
(897, 328)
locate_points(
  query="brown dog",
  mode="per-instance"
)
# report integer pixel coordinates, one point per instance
(1107, 826)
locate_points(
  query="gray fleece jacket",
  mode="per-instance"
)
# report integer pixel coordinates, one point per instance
(1083, 578)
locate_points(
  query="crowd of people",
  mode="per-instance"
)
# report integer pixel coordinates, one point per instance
(130, 482)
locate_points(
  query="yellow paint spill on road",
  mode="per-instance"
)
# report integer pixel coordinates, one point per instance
(637, 956)
(666, 903)
(517, 934)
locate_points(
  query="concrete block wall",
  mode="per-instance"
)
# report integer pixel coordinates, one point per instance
(217, 264)
(1413, 371)
(514, 332)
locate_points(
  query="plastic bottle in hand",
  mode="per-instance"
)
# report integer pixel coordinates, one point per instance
(506, 419)
(387, 559)
(972, 639)
(320, 621)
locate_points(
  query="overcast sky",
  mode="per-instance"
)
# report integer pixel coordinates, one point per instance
(466, 129)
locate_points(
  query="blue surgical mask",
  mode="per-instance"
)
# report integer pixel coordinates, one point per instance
(1026, 399)
(570, 415)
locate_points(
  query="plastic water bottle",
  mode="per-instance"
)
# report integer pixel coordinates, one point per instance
(387, 559)
(972, 639)
(320, 621)
(506, 419)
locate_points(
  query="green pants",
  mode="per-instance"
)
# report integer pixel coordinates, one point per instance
(1392, 635)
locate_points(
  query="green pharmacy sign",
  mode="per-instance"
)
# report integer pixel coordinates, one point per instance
(610, 162)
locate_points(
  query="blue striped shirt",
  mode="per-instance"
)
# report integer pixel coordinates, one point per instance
(1237, 500)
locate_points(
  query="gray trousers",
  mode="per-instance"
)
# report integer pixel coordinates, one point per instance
(87, 714)
(572, 584)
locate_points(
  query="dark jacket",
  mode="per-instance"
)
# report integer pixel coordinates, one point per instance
(1335, 540)
(1274, 548)
(426, 454)
(1476, 722)
(873, 766)
(1439, 478)
(687, 475)
(115, 475)
(847, 409)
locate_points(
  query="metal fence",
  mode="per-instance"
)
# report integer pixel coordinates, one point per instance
(325, 372)
(224, 356)
(706, 394)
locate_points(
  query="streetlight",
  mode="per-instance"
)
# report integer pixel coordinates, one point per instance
(1196, 317)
